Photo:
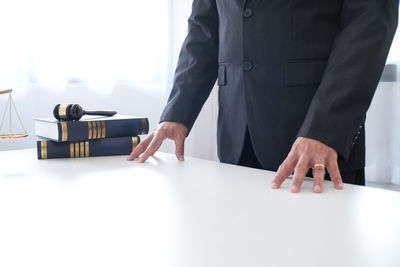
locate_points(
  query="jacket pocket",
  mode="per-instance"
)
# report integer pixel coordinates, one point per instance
(221, 75)
(305, 72)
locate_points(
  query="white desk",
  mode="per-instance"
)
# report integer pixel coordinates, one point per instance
(164, 213)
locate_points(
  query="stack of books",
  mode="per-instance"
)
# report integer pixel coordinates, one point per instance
(92, 136)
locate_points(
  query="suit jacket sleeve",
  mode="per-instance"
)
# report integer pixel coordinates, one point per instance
(197, 67)
(356, 62)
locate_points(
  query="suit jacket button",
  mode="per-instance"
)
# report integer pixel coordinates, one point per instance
(247, 66)
(247, 13)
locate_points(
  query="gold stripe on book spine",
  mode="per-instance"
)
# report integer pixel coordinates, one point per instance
(43, 145)
(144, 126)
(64, 132)
(98, 129)
(62, 111)
(94, 129)
(71, 150)
(82, 149)
(103, 129)
(76, 149)
(90, 129)
(86, 149)
(134, 142)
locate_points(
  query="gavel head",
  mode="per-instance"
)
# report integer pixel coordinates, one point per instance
(68, 112)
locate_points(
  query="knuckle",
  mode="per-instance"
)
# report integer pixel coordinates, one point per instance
(160, 132)
(282, 166)
(306, 149)
(179, 136)
(140, 145)
(144, 152)
(336, 175)
(151, 147)
(295, 149)
(163, 125)
(292, 156)
(302, 168)
(334, 169)
(159, 138)
(281, 170)
(332, 154)
(147, 153)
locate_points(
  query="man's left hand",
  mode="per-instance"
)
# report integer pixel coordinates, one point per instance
(305, 154)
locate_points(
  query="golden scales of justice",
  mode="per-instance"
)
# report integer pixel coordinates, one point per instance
(10, 104)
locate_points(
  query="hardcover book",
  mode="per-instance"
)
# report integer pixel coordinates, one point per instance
(91, 128)
(47, 149)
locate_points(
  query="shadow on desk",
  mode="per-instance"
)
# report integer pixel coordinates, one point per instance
(79, 167)
(19, 165)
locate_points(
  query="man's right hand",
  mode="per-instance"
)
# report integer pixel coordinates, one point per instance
(171, 130)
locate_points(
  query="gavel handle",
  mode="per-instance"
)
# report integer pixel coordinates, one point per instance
(100, 113)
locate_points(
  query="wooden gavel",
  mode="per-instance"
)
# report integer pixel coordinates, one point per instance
(74, 112)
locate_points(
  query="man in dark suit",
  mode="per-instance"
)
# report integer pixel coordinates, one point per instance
(295, 77)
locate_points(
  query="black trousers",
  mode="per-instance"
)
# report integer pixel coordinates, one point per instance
(249, 159)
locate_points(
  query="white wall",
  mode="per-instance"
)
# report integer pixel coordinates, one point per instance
(383, 135)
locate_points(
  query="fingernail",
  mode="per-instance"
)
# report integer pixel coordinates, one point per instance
(274, 185)
(294, 189)
(181, 158)
(317, 189)
(340, 186)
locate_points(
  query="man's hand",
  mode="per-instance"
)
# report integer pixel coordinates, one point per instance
(171, 130)
(305, 154)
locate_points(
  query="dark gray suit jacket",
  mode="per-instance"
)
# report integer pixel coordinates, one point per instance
(285, 68)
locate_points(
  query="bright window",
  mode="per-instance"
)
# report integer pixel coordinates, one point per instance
(51, 42)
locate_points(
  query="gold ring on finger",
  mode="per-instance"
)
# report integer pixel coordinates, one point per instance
(319, 165)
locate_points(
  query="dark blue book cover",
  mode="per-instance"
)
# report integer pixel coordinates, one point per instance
(91, 128)
(47, 149)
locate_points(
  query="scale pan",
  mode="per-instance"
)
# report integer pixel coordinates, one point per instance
(13, 136)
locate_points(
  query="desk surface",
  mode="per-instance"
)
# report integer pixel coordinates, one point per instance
(165, 213)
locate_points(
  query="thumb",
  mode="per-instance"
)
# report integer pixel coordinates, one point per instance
(179, 148)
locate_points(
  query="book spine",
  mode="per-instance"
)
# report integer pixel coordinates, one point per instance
(93, 130)
(82, 149)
